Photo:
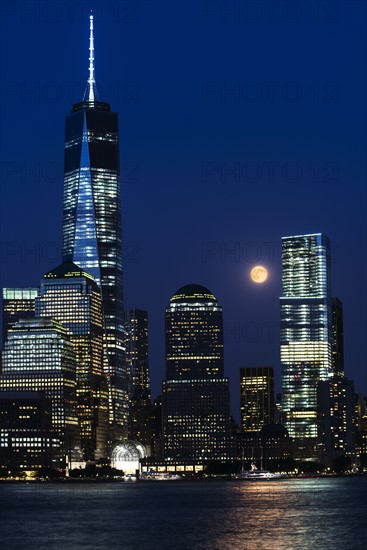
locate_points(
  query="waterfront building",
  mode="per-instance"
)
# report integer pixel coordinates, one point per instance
(92, 237)
(71, 296)
(305, 335)
(269, 446)
(257, 397)
(27, 441)
(38, 356)
(195, 394)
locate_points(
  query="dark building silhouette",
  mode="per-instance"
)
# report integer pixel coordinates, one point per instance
(92, 236)
(337, 329)
(27, 441)
(336, 414)
(195, 394)
(72, 297)
(136, 325)
(257, 397)
(267, 448)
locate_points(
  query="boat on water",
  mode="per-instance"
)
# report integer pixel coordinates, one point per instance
(130, 477)
(256, 474)
(159, 476)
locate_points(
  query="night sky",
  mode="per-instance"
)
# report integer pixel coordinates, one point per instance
(240, 123)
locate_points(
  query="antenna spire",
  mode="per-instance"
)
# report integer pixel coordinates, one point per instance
(92, 89)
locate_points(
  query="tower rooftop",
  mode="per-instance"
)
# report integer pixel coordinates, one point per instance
(193, 293)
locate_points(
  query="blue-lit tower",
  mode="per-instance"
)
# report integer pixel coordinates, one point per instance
(92, 225)
(305, 335)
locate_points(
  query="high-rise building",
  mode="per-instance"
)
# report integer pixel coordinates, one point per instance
(195, 396)
(305, 335)
(136, 325)
(72, 297)
(337, 347)
(336, 401)
(18, 303)
(257, 397)
(194, 335)
(92, 224)
(39, 357)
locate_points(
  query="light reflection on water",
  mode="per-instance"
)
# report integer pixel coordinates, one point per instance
(308, 514)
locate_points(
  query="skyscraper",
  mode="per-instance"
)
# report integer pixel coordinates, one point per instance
(336, 401)
(195, 394)
(39, 357)
(257, 397)
(136, 323)
(336, 397)
(92, 223)
(194, 335)
(72, 297)
(305, 334)
(18, 303)
(337, 348)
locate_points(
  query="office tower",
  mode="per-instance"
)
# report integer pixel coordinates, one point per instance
(136, 325)
(39, 356)
(18, 303)
(337, 345)
(195, 398)
(72, 297)
(305, 335)
(26, 438)
(92, 224)
(194, 335)
(257, 397)
(336, 399)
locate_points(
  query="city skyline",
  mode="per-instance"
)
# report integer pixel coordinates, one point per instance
(221, 259)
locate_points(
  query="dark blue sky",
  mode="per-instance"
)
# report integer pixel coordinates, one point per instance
(274, 91)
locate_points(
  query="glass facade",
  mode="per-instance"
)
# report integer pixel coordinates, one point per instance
(257, 397)
(38, 356)
(18, 303)
(71, 296)
(195, 395)
(136, 324)
(305, 334)
(92, 231)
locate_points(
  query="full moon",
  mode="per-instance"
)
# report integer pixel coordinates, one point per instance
(259, 274)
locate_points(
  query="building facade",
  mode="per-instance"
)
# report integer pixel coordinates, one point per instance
(337, 329)
(136, 325)
(195, 394)
(72, 297)
(18, 303)
(305, 335)
(256, 397)
(92, 237)
(336, 414)
(27, 441)
(39, 357)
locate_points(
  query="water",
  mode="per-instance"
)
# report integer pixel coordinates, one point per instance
(309, 514)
